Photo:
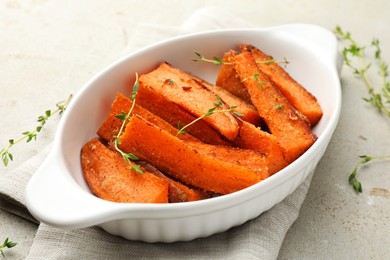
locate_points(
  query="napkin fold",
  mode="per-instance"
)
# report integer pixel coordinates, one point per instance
(260, 238)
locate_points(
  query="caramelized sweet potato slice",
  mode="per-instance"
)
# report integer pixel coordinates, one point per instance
(173, 114)
(110, 127)
(293, 134)
(228, 79)
(251, 137)
(295, 93)
(179, 88)
(190, 165)
(247, 110)
(178, 192)
(110, 178)
(247, 158)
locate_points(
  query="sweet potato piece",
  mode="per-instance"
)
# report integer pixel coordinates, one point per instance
(110, 178)
(173, 114)
(251, 137)
(189, 165)
(110, 127)
(235, 155)
(293, 134)
(295, 93)
(228, 79)
(178, 192)
(248, 111)
(179, 88)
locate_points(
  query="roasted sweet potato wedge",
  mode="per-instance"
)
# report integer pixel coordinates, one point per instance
(190, 165)
(295, 93)
(110, 178)
(252, 137)
(177, 89)
(178, 192)
(110, 127)
(293, 134)
(175, 115)
(248, 111)
(228, 79)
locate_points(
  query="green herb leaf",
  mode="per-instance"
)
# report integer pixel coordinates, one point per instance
(181, 129)
(215, 60)
(218, 103)
(271, 61)
(279, 106)
(135, 88)
(137, 168)
(238, 114)
(6, 244)
(210, 111)
(122, 116)
(352, 179)
(255, 76)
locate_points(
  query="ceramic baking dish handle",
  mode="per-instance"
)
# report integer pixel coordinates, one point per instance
(50, 197)
(324, 40)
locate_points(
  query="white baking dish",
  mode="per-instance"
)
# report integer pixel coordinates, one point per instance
(58, 195)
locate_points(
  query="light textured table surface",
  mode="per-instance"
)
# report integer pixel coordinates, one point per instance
(49, 49)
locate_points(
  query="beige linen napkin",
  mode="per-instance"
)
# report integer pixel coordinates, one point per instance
(260, 238)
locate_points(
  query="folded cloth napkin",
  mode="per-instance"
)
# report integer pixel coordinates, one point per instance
(260, 238)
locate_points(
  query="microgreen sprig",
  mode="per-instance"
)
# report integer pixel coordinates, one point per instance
(6, 244)
(209, 112)
(5, 153)
(355, 57)
(352, 179)
(125, 117)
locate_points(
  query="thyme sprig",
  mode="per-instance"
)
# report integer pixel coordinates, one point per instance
(352, 179)
(125, 117)
(7, 244)
(219, 61)
(355, 57)
(209, 112)
(215, 60)
(5, 153)
(270, 61)
(255, 76)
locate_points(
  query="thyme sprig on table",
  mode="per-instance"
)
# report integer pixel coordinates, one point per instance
(7, 244)
(356, 184)
(355, 57)
(5, 153)
(209, 112)
(125, 117)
